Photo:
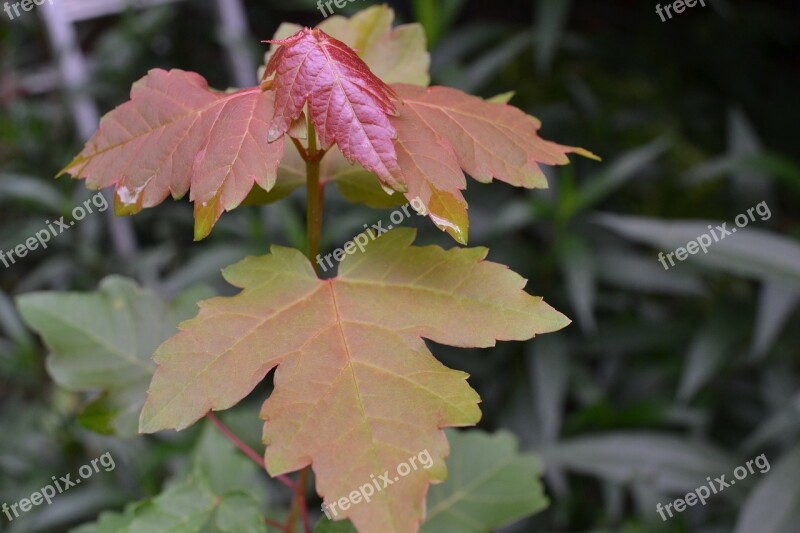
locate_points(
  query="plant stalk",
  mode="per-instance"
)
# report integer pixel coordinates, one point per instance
(314, 204)
(314, 198)
(247, 450)
(299, 503)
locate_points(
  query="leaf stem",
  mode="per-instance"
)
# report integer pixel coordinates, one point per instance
(275, 524)
(314, 204)
(301, 149)
(247, 450)
(314, 197)
(299, 503)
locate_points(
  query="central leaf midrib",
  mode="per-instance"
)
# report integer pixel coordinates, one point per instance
(350, 364)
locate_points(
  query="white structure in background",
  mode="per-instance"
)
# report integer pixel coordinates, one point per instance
(73, 71)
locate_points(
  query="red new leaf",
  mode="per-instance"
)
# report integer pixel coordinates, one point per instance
(347, 103)
(176, 135)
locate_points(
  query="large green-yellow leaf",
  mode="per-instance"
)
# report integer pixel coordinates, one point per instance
(353, 370)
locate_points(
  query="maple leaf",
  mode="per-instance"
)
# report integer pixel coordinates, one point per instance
(394, 54)
(176, 135)
(353, 371)
(348, 104)
(441, 131)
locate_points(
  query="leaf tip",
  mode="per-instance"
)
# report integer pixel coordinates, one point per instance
(587, 154)
(274, 134)
(146, 425)
(127, 200)
(67, 170)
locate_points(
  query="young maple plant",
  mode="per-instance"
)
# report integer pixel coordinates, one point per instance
(356, 390)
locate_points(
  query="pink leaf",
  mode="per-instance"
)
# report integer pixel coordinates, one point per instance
(441, 131)
(347, 103)
(176, 135)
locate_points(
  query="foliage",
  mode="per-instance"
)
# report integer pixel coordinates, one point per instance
(190, 138)
(702, 357)
(348, 352)
(215, 494)
(332, 345)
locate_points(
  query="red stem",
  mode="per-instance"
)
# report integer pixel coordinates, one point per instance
(299, 503)
(247, 450)
(304, 512)
(301, 498)
(275, 524)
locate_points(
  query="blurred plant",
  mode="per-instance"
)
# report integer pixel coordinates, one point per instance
(327, 105)
(678, 372)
